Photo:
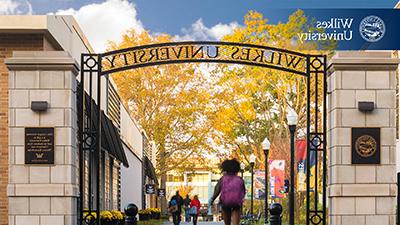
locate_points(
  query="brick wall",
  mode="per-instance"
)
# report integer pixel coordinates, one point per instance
(8, 44)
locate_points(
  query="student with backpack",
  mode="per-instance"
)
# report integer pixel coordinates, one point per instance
(231, 190)
(195, 209)
(175, 208)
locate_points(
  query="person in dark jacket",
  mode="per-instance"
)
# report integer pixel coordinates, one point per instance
(176, 215)
(186, 205)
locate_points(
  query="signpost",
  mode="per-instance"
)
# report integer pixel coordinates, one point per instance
(150, 189)
(39, 145)
(161, 192)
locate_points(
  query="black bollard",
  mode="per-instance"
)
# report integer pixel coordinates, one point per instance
(131, 210)
(275, 211)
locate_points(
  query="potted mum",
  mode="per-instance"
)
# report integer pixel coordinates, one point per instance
(118, 217)
(144, 214)
(89, 217)
(106, 218)
(155, 213)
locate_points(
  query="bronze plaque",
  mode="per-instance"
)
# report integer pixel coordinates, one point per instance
(365, 145)
(39, 145)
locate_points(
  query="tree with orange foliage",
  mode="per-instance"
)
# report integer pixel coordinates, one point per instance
(170, 103)
(253, 101)
(185, 190)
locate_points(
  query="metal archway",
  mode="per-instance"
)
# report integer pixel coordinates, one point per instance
(94, 66)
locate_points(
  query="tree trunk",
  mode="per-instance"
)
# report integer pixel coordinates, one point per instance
(163, 179)
(164, 207)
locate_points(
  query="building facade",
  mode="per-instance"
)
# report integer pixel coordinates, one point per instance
(39, 65)
(199, 182)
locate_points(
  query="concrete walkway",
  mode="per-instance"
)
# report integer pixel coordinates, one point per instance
(199, 223)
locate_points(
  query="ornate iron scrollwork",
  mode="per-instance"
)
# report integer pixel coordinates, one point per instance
(93, 66)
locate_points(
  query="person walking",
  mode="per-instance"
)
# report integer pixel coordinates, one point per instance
(186, 205)
(231, 190)
(195, 209)
(175, 208)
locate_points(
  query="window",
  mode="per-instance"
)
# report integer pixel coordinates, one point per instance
(203, 178)
(113, 105)
(170, 178)
(175, 178)
(189, 177)
(202, 192)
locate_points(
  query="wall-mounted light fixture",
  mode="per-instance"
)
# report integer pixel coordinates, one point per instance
(39, 106)
(366, 106)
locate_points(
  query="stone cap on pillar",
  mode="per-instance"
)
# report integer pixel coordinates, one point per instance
(42, 60)
(363, 60)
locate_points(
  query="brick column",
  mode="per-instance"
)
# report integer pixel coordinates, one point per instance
(361, 194)
(43, 194)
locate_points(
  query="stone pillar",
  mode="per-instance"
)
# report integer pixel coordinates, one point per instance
(361, 194)
(43, 194)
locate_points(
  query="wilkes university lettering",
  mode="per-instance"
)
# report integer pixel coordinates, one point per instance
(220, 52)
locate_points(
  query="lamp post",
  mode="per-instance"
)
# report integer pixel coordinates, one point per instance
(292, 122)
(252, 162)
(266, 145)
(242, 167)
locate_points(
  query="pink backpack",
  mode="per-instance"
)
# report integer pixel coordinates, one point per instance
(232, 191)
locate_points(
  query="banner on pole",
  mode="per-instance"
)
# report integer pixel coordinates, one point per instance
(301, 156)
(277, 178)
(276, 181)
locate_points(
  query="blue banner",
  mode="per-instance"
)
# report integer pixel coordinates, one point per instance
(352, 29)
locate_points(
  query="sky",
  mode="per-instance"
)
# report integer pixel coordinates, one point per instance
(103, 20)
